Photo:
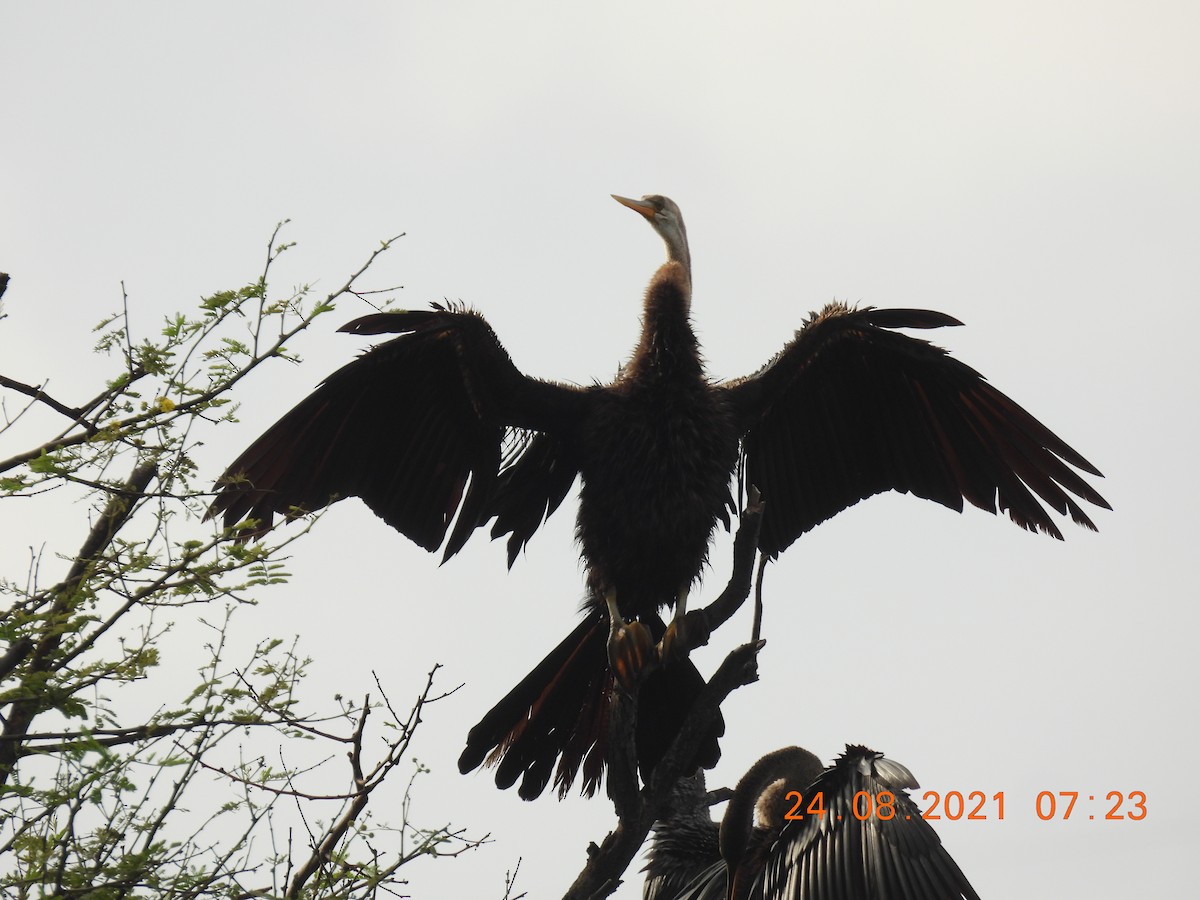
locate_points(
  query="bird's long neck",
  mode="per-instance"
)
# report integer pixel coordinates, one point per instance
(677, 250)
(667, 346)
(795, 765)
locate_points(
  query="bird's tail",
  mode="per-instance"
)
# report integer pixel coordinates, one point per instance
(559, 713)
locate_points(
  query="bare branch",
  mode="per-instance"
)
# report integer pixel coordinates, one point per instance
(39, 394)
(364, 784)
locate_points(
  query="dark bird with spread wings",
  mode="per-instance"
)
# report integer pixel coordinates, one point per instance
(847, 832)
(439, 432)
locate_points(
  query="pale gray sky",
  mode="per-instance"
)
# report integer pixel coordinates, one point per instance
(1028, 167)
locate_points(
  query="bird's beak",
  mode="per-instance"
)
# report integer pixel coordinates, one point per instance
(638, 206)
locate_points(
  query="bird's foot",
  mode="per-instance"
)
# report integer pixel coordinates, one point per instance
(683, 635)
(631, 652)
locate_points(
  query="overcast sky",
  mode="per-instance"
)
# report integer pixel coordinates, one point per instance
(1028, 167)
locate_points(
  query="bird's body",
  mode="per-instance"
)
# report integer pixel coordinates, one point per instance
(655, 453)
(847, 832)
(417, 427)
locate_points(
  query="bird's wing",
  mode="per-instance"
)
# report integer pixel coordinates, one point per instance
(850, 408)
(685, 852)
(415, 426)
(865, 843)
(535, 478)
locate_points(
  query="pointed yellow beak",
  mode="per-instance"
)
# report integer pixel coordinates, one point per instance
(638, 206)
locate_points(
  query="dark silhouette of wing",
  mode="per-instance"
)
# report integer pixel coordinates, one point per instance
(852, 852)
(850, 409)
(415, 427)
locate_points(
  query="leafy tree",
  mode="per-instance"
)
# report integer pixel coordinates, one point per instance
(99, 800)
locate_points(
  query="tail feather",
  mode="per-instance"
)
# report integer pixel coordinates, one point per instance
(558, 714)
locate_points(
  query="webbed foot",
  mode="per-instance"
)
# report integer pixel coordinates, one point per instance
(631, 649)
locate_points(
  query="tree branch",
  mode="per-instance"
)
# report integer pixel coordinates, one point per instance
(116, 513)
(39, 394)
(608, 862)
(89, 429)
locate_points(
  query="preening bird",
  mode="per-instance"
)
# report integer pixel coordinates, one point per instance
(847, 832)
(439, 432)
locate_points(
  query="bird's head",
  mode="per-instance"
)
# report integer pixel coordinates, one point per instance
(664, 216)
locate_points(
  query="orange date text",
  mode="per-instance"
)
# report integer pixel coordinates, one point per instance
(975, 806)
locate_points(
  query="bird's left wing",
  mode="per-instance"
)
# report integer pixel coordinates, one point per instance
(415, 427)
(868, 841)
(851, 408)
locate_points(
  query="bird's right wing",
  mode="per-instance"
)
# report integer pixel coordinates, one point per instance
(415, 427)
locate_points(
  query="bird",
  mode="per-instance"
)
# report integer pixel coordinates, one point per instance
(439, 433)
(846, 832)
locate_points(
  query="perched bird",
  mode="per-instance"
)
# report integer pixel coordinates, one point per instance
(847, 832)
(439, 432)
